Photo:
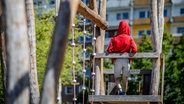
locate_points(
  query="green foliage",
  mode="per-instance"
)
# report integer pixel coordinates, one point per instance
(144, 46)
(1, 87)
(44, 30)
(174, 75)
(67, 68)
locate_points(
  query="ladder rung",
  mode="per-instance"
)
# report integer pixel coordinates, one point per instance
(131, 71)
(127, 55)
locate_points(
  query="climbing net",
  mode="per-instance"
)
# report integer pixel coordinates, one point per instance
(84, 62)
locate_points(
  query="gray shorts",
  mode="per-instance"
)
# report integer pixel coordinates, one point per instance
(121, 66)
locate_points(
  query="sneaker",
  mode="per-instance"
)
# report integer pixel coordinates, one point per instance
(123, 93)
(120, 92)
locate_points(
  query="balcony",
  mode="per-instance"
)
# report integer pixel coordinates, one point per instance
(114, 24)
(117, 3)
(141, 2)
(146, 2)
(177, 1)
(142, 21)
(177, 34)
(146, 21)
(178, 19)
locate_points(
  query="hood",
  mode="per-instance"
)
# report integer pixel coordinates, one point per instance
(123, 28)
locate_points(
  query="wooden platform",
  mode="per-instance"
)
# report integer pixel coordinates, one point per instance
(128, 99)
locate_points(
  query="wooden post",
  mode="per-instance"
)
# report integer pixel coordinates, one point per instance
(17, 52)
(34, 88)
(155, 40)
(162, 66)
(102, 5)
(64, 19)
(161, 22)
(3, 50)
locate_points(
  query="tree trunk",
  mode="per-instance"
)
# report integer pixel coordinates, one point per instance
(156, 48)
(34, 88)
(17, 52)
(64, 19)
(3, 50)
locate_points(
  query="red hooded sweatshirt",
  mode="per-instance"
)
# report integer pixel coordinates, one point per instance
(122, 42)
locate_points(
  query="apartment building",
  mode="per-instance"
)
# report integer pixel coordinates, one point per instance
(136, 12)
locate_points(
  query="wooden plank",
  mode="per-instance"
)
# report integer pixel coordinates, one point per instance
(127, 55)
(127, 98)
(131, 71)
(91, 15)
(61, 32)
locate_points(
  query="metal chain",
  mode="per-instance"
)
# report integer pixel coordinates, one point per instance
(73, 64)
(84, 55)
(93, 71)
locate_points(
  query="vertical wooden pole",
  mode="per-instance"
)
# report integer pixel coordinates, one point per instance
(93, 6)
(102, 34)
(155, 40)
(34, 88)
(163, 72)
(17, 52)
(64, 20)
(161, 21)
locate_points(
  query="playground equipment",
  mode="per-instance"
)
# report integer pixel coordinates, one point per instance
(16, 32)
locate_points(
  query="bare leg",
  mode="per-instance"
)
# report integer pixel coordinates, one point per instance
(117, 82)
(125, 83)
(120, 91)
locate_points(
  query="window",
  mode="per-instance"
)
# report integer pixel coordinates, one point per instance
(141, 32)
(106, 34)
(182, 11)
(180, 30)
(142, 14)
(107, 17)
(165, 12)
(68, 90)
(148, 32)
(52, 2)
(39, 3)
(118, 16)
(125, 15)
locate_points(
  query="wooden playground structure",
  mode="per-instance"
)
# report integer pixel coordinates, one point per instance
(19, 25)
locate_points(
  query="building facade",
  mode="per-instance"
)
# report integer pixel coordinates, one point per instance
(136, 12)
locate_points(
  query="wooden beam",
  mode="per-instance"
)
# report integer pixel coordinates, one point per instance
(131, 71)
(127, 98)
(61, 32)
(91, 15)
(127, 55)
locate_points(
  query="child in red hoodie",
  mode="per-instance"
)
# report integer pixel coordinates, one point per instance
(122, 43)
